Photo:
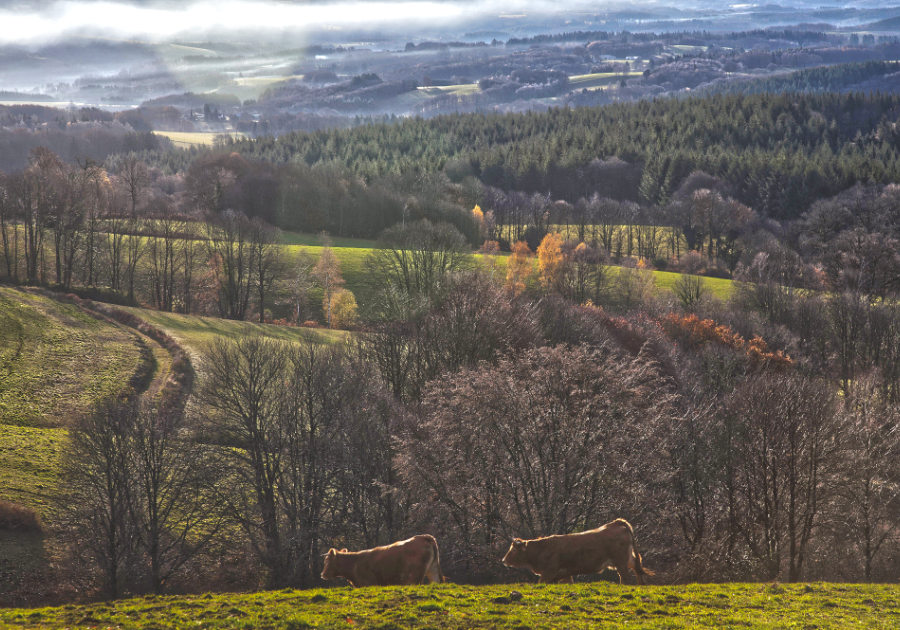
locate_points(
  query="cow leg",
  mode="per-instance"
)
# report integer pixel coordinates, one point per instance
(632, 564)
(623, 573)
(568, 580)
(640, 578)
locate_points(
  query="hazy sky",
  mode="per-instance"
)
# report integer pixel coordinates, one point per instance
(29, 21)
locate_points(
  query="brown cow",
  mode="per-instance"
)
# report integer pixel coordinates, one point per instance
(560, 558)
(409, 561)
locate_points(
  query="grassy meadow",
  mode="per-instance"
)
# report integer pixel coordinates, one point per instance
(29, 466)
(521, 606)
(56, 360)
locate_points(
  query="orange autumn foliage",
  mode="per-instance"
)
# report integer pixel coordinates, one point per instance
(693, 331)
(550, 260)
(518, 268)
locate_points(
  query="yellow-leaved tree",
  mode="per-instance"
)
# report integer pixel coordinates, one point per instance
(343, 309)
(328, 272)
(478, 215)
(518, 267)
(551, 261)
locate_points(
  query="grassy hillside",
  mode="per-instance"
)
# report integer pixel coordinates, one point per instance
(29, 465)
(56, 360)
(522, 606)
(195, 332)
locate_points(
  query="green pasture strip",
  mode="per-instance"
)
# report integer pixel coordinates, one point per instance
(719, 288)
(29, 466)
(196, 332)
(303, 238)
(586, 605)
(69, 360)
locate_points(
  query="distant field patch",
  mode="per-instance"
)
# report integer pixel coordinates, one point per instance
(463, 89)
(264, 81)
(599, 79)
(195, 138)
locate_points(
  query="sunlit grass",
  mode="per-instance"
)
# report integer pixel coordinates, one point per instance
(69, 359)
(586, 605)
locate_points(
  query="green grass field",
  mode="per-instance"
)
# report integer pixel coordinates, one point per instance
(195, 332)
(719, 288)
(532, 606)
(314, 240)
(29, 464)
(69, 359)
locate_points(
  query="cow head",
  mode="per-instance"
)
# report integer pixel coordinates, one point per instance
(515, 557)
(329, 570)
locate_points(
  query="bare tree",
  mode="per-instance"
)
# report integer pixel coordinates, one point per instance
(134, 179)
(9, 227)
(419, 258)
(546, 442)
(268, 261)
(868, 478)
(173, 512)
(97, 474)
(38, 199)
(95, 187)
(244, 386)
(328, 273)
(690, 290)
(233, 258)
(313, 433)
(301, 283)
(787, 428)
(161, 250)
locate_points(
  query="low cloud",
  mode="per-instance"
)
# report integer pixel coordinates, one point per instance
(166, 20)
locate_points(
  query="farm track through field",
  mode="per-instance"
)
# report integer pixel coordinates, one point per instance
(65, 351)
(153, 373)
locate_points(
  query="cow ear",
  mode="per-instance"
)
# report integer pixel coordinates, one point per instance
(344, 550)
(332, 552)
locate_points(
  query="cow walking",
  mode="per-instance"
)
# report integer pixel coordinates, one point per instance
(410, 561)
(560, 558)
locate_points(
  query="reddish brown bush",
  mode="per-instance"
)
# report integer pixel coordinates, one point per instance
(692, 331)
(18, 518)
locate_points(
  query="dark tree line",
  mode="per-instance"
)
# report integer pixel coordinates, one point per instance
(779, 153)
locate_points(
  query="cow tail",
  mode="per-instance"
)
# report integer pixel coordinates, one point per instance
(638, 560)
(434, 570)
